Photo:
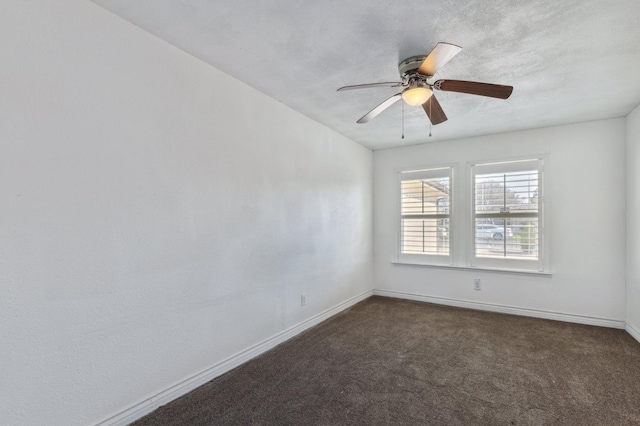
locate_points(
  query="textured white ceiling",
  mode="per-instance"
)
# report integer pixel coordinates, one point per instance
(568, 60)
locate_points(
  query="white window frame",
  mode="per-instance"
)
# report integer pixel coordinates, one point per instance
(447, 170)
(531, 163)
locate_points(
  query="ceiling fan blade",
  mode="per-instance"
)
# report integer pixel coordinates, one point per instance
(377, 110)
(434, 111)
(366, 86)
(474, 88)
(440, 55)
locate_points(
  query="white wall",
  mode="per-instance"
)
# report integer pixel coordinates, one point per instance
(157, 215)
(585, 220)
(633, 222)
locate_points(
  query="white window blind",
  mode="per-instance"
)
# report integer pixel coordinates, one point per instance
(507, 214)
(425, 206)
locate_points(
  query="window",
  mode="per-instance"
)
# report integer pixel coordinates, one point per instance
(425, 208)
(492, 219)
(507, 215)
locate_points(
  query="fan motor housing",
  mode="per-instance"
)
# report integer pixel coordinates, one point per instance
(409, 67)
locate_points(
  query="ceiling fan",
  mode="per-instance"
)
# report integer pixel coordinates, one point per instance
(415, 73)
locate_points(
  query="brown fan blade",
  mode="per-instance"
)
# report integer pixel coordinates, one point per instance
(474, 88)
(366, 86)
(377, 110)
(440, 55)
(434, 111)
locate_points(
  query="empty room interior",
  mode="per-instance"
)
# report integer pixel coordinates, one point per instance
(198, 227)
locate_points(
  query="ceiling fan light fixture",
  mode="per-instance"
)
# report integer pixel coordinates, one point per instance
(416, 95)
(415, 73)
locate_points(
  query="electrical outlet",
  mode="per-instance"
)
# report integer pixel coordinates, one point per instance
(477, 284)
(303, 299)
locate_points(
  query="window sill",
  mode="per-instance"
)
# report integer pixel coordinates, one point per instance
(472, 268)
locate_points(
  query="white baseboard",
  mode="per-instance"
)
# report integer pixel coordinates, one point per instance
(173, 392)
(504, 309)
(633, 332)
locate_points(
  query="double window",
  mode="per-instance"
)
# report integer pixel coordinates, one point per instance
(500, 225)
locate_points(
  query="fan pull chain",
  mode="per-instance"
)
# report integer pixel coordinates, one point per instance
(402, 119)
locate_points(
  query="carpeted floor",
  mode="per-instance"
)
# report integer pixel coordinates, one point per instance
(394, 362)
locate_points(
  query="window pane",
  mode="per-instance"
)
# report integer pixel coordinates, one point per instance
(425, 196)
(507, 238)
(425, 236)
(506, 192)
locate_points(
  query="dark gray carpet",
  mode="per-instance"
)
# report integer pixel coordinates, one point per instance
(395, 362)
